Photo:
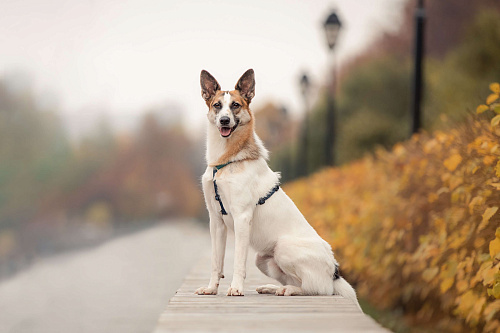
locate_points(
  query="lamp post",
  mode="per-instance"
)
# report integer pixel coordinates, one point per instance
(332, 27)
(302, 160)
(417, 71)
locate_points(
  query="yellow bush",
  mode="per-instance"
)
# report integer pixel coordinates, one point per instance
(418, 227)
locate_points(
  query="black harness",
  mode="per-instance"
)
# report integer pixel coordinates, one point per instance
(217, 196)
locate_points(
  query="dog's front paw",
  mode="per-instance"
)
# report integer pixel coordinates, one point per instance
(206, 291)
(232, 291)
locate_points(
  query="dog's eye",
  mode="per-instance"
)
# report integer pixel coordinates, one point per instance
(217, 105)
(236, 105)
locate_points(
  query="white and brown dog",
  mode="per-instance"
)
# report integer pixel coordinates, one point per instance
(242, 193)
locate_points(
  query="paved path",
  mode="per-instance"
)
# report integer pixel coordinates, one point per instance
(187, 312)
(120, 286)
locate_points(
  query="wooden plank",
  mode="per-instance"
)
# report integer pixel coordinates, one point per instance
(187, 312)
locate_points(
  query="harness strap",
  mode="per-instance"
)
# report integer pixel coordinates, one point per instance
(220, 166)
(268, 195)
(336, 274)
(217, 196)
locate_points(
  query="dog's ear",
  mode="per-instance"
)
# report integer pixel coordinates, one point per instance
(246, 85)
(209, 85)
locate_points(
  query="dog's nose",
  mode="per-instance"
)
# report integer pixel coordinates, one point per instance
(225, 120)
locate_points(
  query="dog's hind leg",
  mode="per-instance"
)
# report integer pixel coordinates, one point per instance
(310, 261)
(269, 267)
(267, 289)
(289, 290)
(262, 263)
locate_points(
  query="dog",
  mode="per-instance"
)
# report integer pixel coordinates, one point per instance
(242, 194)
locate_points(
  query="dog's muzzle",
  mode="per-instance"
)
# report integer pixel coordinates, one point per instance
(225, 130)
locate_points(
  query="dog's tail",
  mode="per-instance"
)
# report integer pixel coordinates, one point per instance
(343, 288)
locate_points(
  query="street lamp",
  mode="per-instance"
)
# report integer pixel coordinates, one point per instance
(304, 87)
(302, 156)
(332, 28)
(417, 70)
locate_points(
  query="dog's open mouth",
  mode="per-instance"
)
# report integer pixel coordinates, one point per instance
(226, 131)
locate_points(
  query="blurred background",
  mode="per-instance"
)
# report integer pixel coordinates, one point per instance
(102, 123)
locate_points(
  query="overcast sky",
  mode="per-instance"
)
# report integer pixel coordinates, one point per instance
(120, 58)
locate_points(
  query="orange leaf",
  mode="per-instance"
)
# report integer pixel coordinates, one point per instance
(466, 302)
(474, 202)
(495, 120)
(491, 98)
(488, 213)
(452, 162)
(462, 286)
(495, 87)
(494, 247)
(482, 108)
(488, 160)
(488, 274)
(446, 284)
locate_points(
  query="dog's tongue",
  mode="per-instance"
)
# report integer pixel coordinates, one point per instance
(225, 131)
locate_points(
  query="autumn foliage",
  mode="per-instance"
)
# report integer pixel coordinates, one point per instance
(418, 227)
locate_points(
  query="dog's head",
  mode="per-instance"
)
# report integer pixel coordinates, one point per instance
(228, 110)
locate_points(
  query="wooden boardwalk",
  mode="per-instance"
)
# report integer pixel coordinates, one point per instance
(187, 312)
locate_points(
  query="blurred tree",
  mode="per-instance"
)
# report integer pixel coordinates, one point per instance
(274, 125)
(276, 128)
(462, 47)
(454, 84)
(51, 189)
(448, 22)
(373, 107)
(150, 177)
(33, 151)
